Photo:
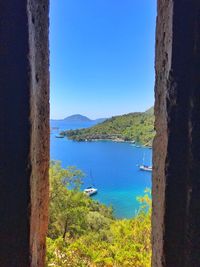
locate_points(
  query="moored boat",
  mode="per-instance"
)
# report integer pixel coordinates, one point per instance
(89, 191)
(145, 168)
(59, 136)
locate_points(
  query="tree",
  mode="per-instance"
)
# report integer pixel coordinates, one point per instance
(83, 232)
(67, 207)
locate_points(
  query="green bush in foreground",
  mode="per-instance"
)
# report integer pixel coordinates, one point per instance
(84, 233)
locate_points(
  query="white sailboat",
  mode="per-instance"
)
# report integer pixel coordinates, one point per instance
(145, 167)
(91, 190)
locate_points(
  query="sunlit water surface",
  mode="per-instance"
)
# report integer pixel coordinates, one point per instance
(114, 168)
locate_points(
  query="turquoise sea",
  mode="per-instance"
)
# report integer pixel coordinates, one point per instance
(114, 167)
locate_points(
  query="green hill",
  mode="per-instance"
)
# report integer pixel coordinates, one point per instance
(138, 127)
(150, 111)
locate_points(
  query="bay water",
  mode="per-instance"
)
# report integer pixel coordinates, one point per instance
(111, 166)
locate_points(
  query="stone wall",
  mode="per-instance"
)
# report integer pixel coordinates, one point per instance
(176, 176)
(24, 131)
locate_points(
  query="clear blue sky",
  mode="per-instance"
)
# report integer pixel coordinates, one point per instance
(101, 56)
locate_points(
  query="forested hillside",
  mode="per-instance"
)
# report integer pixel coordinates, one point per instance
(138, 127)
(83, 232)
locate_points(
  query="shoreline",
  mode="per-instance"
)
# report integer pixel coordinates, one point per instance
(118, 140)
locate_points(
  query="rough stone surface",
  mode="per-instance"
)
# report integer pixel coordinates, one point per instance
(38, 12)
(24, 132)
(176, 176)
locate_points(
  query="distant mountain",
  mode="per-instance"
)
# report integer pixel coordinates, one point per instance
(77, 118)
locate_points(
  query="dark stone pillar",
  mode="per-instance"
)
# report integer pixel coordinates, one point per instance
(176, 177)
(24, 131)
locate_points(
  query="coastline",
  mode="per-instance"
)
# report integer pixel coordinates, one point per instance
(116, 140)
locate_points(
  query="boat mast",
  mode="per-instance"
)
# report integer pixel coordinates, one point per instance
(91, 178)
(143, 158)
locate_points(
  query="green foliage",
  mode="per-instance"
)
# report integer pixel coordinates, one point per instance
(138, 127)
(70, 209)
(66, 206)
(84, 233)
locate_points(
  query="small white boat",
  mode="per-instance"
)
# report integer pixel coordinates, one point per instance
(145, 168)
(89, 191)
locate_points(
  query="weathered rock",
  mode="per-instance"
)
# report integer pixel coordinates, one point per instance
(24, 132)
(176, 176)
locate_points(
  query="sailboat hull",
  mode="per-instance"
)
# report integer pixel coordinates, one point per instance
(146, 168)
(90, 191)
